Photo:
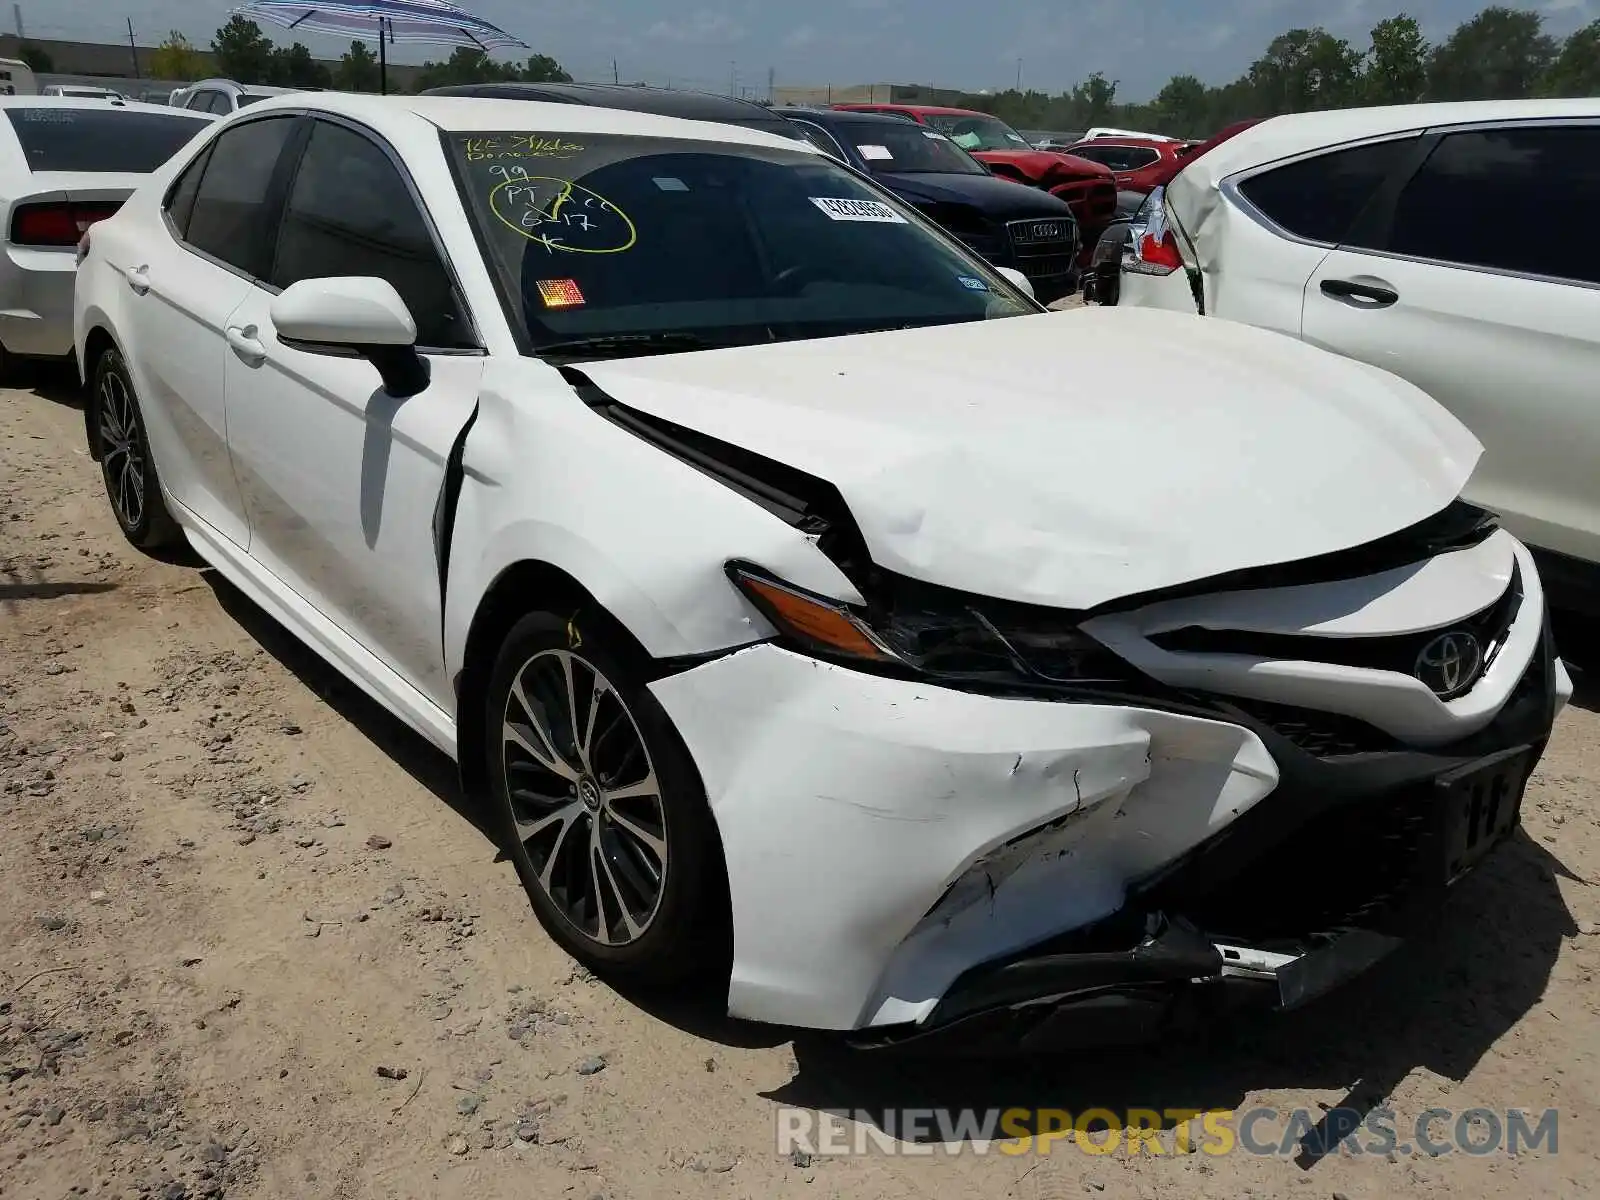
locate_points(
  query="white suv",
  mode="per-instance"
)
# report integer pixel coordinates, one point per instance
(1426, 240)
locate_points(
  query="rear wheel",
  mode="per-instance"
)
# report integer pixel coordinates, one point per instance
(601, 808)
(123, 448)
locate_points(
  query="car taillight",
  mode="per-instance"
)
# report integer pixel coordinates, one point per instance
(1158, 254)
(55, 224)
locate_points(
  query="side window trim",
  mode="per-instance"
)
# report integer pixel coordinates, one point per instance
(1230, 187)
(831, 140)
(292, 146)
(474, 333)
(1434, 135)
(197, 164)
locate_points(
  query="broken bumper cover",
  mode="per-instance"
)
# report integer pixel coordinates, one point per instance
(1350, 856)
(884, 836)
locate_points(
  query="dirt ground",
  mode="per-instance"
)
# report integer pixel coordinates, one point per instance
(251, 946)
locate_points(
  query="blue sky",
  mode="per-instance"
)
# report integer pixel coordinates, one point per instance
(961, 43)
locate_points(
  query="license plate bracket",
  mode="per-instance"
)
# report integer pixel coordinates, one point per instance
(1480, 804)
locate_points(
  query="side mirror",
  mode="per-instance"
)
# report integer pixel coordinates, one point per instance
(1018, 280)
(354, 315)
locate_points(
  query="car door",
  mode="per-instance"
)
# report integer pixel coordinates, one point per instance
(341, 479)
(1470, 283)
(184, 287)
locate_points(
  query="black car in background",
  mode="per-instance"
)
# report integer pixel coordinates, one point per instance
(1009, 224)
(663, 102)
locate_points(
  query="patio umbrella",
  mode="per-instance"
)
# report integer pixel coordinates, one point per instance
(428, 22)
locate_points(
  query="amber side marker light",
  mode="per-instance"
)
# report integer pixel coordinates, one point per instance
(814, 620)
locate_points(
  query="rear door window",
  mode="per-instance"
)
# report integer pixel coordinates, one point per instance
(1320, 198)
(1489, 198)
(99, 139)
(230, 216)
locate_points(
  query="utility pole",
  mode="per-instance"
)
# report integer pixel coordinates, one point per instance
(772, 83)
(733, 78)
(1019, 75)
(615, 78)
(133, 50)
(16, 11)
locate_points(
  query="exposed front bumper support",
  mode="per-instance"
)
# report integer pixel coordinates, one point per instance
(1096, 998)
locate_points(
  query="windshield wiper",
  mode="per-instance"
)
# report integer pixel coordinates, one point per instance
(624, 345)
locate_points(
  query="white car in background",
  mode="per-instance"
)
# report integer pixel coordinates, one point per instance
(223, 96)
(64, 164)
(1428, 240)
(82, 91)
(709, 507)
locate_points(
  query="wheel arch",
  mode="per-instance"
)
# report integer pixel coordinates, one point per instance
(508, 599)
(96, 342)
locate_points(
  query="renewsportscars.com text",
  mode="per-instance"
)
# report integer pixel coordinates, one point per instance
(1434, 1132)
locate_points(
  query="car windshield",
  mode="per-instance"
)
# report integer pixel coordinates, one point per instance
(688, 243)
(907, 149)
(979, 133)
(99, 139)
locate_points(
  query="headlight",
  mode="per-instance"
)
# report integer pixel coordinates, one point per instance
(957, 642)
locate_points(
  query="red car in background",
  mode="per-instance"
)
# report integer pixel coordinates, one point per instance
(1139, 164)
(1089, 188)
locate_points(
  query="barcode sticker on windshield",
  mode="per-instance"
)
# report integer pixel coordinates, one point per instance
(875, 153)
(857, 210)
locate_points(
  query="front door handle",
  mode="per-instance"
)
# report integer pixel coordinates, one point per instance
(1359, 295)
(138, 279)
(246, 345)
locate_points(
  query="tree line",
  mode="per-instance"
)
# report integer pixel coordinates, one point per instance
(1500, 54)
(242, 52)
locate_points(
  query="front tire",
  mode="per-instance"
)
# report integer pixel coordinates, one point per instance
(599, 804)
(123, 448)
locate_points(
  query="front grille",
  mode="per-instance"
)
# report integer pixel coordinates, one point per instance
(1351, 867)
(1044, 249)
(987, 246)
(1321, 734)
(1093, 201)
(1398, 653)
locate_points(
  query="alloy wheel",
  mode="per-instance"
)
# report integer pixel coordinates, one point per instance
(122, 455)
(584, 797)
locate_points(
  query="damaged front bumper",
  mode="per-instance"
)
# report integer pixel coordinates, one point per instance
(1353, 853)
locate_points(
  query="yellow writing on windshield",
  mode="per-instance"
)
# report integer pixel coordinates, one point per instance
(519, 145)
(558, 214)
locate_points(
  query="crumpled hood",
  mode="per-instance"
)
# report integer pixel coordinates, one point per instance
(971, 456)
(1043, 164)
(1003, 199)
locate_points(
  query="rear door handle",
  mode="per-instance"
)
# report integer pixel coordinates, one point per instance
(138, 279)
(1359, 295)
(246, 345)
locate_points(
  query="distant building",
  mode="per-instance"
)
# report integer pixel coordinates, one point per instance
(866, 93)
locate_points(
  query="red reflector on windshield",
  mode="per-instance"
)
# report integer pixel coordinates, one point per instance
(560, 293)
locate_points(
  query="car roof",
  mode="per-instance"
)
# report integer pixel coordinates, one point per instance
(1131, 143)
(92, 104)
(693, 106)
(1297, 133)
(401, 116)
(932, 110)
(257, 89)
(846, 117)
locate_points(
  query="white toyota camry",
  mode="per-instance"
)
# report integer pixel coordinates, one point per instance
(717, 514)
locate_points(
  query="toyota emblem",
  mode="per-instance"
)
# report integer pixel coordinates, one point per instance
(1450, 663)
